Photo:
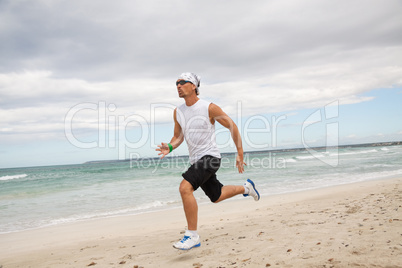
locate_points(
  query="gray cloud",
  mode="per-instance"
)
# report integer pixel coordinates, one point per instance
(272, 55)
(104, 41)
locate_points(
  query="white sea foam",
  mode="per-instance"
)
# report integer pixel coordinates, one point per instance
(310, 156)
(13, 177)
(149, 207)
(357, 152)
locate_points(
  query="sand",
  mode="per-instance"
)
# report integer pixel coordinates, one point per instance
(353, 225)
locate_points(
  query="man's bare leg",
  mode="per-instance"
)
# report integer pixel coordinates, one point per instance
(229, 191)
(191, 238)
(189, 204)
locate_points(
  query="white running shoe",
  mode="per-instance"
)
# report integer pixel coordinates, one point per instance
(188, 242)
(249, 184)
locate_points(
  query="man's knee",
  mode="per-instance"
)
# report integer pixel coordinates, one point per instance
(185, 188)
(219, 199)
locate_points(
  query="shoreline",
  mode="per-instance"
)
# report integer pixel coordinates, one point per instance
(202, 202)
(241, 231)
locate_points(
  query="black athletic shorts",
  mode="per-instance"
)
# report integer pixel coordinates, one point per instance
(202, 174)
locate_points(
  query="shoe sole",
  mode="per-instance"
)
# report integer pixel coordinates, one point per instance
(195, 246)
(252, 183)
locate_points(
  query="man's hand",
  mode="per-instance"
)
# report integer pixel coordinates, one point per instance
(240, 164)
(163, 149)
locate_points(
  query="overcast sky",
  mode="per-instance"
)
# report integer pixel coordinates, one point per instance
(265, 58)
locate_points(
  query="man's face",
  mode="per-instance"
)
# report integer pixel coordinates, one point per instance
(185, 90)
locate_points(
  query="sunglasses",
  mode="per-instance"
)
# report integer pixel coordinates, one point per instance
(182, 82)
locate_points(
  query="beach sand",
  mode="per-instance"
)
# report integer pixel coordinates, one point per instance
(353, 225)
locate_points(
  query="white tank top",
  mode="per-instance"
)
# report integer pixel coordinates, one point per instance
(198, 130)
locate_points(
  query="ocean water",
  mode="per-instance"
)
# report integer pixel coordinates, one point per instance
(35, 197)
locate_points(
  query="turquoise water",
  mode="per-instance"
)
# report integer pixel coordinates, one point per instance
(43, 196)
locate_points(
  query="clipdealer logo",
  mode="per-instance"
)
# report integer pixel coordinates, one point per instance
(110, 128)
(326, 116)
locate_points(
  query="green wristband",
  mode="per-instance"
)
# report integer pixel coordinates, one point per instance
(170, 147)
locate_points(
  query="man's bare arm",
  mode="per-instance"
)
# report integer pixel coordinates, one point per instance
(176, 140)
(216, 113)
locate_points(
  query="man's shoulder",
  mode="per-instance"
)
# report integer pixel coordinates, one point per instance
(213, 106)
(204, 103)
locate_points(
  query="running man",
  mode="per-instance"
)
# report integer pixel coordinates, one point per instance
(194, 121)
